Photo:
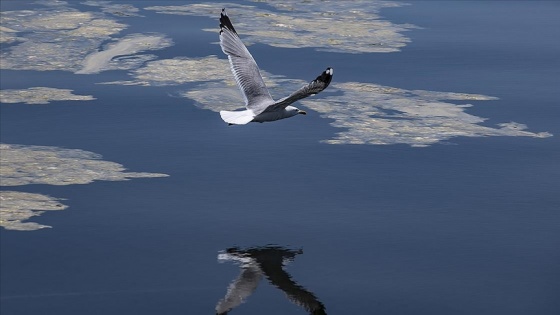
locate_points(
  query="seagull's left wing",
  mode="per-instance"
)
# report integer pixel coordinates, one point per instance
(244, 68)
(314, 87)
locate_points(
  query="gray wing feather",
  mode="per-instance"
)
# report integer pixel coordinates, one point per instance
(244, 68)
(314, 87)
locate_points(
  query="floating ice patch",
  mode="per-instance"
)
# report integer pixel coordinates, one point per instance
(16, 207)
(214, 86)
(40, 95)
(23, 165)
(224, 95)
(368, 113)
(104, 60)
(179, 70)
(58, 37)
(375, 114)
(114, 8)
(54, 38)
(7, 35)
(339, 26)
(215, 96)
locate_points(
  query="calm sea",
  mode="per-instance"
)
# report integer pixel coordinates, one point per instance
(471, 227)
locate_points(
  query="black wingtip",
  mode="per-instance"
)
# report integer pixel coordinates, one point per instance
(326, 76)
(225, 22)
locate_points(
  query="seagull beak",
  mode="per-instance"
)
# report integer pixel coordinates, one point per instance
(302, 112)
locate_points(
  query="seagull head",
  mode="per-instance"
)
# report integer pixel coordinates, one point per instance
(295, 111)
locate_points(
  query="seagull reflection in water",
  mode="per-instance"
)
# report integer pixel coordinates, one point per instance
(268, 261)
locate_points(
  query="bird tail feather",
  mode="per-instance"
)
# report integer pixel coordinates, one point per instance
(237, 117)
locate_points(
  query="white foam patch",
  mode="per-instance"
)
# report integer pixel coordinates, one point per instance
(339, 26)
(16, 207)
(40, 95)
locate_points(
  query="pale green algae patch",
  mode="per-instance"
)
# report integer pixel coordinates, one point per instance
(40, 95)
(24, 165)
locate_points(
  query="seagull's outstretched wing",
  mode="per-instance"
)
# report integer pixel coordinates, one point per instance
(244, 68)
(314, 87)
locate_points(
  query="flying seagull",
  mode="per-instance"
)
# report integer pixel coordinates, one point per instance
(260, 105)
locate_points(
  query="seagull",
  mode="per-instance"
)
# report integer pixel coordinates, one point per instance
(260, 106)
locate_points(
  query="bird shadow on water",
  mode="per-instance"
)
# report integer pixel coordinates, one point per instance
(265, 261)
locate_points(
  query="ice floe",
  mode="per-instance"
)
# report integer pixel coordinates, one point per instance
(367, 113)
(16, 206)
(130, 45)
(374, 114)
(25, 165)
(339, 26)
(40, 95)
(114, 8)
(59, 37)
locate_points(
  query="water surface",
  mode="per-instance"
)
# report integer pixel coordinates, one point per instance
(466, 224)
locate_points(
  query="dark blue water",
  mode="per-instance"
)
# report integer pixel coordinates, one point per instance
(471, 228)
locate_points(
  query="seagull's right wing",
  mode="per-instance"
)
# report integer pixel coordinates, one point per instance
(244, 68)
(314, 87)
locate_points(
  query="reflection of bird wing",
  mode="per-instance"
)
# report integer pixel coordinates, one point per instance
(244, 68)
(314, 87)
(296, 293)
(240, 288)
